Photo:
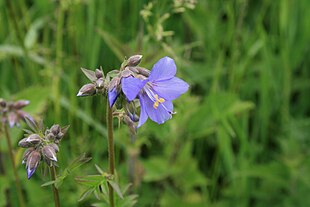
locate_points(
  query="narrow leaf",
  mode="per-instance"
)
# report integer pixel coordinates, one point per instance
(115, 186)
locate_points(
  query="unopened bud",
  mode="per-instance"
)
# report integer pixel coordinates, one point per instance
(55, 129)
(134, 60)
(114, 83)
(26, 154)
(55, 147)
(2, 103)
(87, 90)
(20, 104)
(143, 71)
(49, 153)
(98, 73)
(34, 139)
(24, 143)
(126, 73)
(100, 83)
(32, 162)
(50, 136)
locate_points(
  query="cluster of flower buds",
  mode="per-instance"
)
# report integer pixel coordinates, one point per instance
(41, 145)
(12, 113)
(152, 90)
(98, 83)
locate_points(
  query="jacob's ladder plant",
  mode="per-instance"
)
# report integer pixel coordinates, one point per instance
(42, 145)
(136, 88)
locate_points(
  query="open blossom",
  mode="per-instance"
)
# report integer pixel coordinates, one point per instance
(156, 92)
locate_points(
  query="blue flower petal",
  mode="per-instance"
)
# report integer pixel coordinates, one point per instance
(143, 114)
(170, 89)
(159, 115)
(164, 69)
(131, 87)
(30, 172)
(112, 95)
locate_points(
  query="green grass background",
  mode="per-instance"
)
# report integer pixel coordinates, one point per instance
(240, 137)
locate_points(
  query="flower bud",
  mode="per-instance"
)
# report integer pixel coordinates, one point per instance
(126, 73)
(24, 143)
(20, 104)
(50, 136)
(87, 90)
(34, 139)
(98, 73)
(26, 154)
(100, 83)
(55, 129)
(49, 153)
(60, 135)
(55, 147)
(13, 119)
(32, 162)
(114, 83)
(134, 60)
(2, 103)
(143, 71)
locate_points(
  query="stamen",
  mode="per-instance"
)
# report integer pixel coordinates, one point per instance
(157, 101)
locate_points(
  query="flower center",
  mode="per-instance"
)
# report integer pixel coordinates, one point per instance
(157, 101)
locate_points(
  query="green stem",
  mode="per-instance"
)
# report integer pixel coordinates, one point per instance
(17, 182)
(55, 190)
(111, 150)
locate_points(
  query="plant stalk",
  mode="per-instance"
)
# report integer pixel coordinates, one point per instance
(17, 181)
(111, 151)
(55, 190)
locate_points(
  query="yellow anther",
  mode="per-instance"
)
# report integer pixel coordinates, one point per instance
(158, 101)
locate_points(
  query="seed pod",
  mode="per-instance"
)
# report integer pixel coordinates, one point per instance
(34, 139)
(98, 73)
(49, 153)
(55, 129)
(87, 90)
(32, 163)
(134, 60)
(26, 154)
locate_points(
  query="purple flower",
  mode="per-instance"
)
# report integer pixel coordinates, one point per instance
(156, 92)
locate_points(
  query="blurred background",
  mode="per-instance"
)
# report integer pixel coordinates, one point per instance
(241, 135)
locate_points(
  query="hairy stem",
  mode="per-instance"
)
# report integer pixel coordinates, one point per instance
(17, 182)
(111, 151)
(55, 190)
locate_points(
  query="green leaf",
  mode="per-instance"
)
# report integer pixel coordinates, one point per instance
(32, 34)
(48, 183)
(91, 180)
(116, 187)
(86, 194)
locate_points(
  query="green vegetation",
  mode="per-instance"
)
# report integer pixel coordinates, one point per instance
(241, 136)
